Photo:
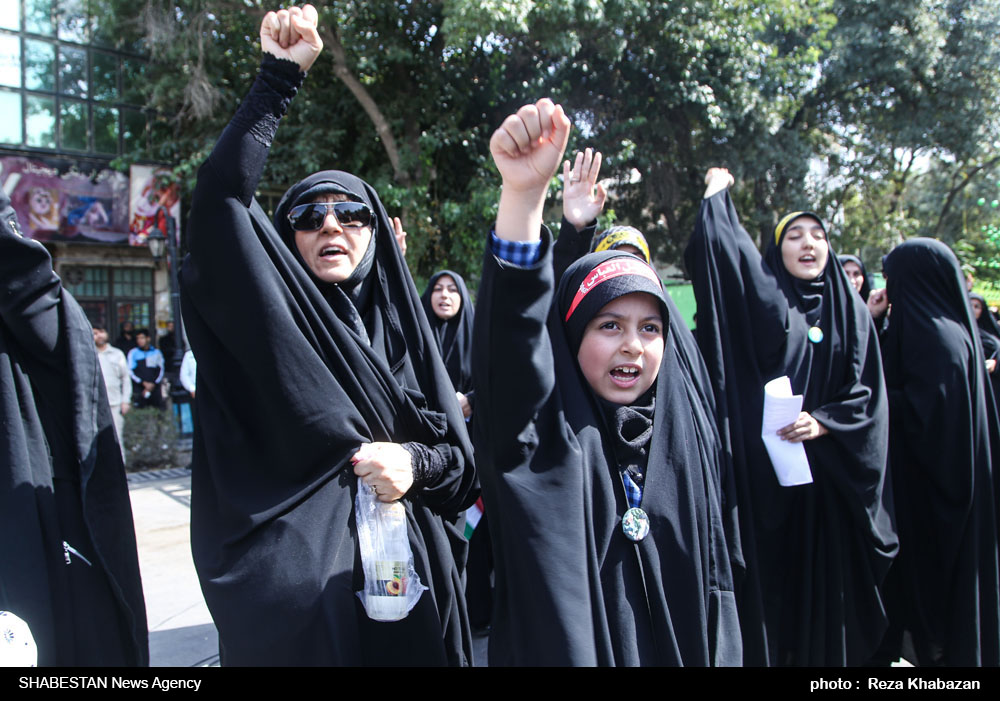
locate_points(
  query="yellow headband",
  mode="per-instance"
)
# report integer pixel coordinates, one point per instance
(624, 236)
(780, 228)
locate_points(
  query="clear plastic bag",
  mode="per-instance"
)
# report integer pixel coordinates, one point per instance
(392, 585)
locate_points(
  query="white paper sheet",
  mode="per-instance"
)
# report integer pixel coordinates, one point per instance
(781, 408)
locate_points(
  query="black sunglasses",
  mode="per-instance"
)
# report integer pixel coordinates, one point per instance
(310, 217)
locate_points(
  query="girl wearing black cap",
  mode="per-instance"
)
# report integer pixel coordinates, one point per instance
(943, 451)
(311, 343)
(815, 553)
(597, 445)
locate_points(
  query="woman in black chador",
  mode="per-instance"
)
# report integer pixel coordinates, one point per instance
(311, 344)
(449, 310)
(597, 443)
(816, 553)
(943, 444)
(450, 313)
(68, 562)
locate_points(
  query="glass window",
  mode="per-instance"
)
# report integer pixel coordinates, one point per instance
(105, 129)
(39, 65)
(10, 125)
(136, 312)
(38, 17)
(73, 20)
(10, 60)
(133, 282)
(87, 282)
(72, 71)
(134, 133)
(97, 314)
(73, 125)
(104, 76)
(41, 121)
(9, 16)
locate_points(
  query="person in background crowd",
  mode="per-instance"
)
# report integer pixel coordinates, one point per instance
(68, 562)
(943, 447)
(146, 367)
(168, 346)
(117, 380)
(314, 356)
(449, 310)
(126, 337)
(856, 274)
(817, 552)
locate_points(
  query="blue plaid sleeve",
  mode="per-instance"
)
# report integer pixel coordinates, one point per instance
(522, 253)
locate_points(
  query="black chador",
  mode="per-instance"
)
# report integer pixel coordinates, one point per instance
(68, 563)
(294, 374)
(815, 554)
(571, 587)
(943, 453)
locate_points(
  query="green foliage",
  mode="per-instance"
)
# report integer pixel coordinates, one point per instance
(150, 439)
(882, 116)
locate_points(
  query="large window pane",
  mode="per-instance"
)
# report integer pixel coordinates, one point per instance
(10, 125)
(39, 65)
(10, 60)
(105, 129)
(104, 76)
(9, 16)
(73, 125)
(38, 17)
(133, 282)
(134, 134)
(73, 20)
(87, 282)
(41, 121)
(72, 71)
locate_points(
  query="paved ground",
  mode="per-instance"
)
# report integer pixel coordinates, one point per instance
(181, 632)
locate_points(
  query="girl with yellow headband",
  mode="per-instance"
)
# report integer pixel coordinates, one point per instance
(817, 552)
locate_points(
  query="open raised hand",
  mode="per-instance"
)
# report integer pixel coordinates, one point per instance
(583, 196)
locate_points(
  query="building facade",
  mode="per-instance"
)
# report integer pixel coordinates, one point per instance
(71, 102)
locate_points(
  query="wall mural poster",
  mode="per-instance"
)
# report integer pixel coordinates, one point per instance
(56, 202)
(155, 196)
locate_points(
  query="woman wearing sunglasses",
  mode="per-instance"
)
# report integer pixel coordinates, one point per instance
(314, 355)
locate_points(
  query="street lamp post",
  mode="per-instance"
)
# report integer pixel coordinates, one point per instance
(161, 239)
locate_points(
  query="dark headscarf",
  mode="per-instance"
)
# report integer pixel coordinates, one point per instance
(943, 443)
(866, 286)
(292, 378)
(453, 336)
(815, 552)
(986, 321)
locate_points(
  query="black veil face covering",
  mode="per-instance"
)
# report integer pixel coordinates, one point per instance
(944, 490)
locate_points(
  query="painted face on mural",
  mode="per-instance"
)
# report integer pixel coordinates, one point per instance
(40, 201)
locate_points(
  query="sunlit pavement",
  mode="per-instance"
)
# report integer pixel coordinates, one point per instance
(181, 632)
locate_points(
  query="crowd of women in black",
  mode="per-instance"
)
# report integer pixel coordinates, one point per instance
(635, 517)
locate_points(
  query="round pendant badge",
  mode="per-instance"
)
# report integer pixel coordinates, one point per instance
(635, 524)
(815, 334)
